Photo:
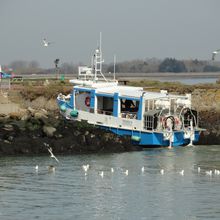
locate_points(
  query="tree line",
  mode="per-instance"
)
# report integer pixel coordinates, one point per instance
(151, 65)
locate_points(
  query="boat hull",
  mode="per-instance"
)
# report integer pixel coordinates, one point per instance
(154, 139)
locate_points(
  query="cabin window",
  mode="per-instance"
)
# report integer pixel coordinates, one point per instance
(151, 119)
(129, 108)
(149, 105)
(105, 105)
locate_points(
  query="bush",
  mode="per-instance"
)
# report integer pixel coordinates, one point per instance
(209, 68)
(172, 65)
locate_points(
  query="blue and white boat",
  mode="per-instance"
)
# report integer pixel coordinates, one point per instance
(150, 119)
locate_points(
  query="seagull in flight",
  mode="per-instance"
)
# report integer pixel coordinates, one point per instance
(46, 43)
(52, 155)
(214, 53)
(50, 151)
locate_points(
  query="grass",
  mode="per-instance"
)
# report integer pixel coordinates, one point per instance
(32, 91)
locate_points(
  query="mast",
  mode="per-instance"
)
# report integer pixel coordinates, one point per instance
(114, 65)
(98, 61)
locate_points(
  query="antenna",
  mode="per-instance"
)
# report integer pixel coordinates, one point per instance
(100, 41)
(114, 65)
(100, 49)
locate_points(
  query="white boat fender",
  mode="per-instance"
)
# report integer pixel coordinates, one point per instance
(74, 113)
(135, 138)
(63, 108)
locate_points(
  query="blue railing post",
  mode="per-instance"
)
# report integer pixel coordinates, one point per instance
(140, 113)
(116, 105)
(92, 99)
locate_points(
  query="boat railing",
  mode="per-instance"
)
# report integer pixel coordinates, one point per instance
(186, 121)
(129, 115)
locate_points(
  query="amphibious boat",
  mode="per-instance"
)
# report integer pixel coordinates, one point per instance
(150, 119)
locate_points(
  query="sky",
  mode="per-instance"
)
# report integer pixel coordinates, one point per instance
(140, 29)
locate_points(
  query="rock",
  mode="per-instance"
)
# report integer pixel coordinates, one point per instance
(40, 115)
(8, 127)
(76, 133)
(25, 117)
(86, 133)
(49, 130)
(45, 112)
(15, 115)
(31, 110)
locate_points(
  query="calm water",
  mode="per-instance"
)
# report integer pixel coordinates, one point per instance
(190, 81)
(69, 194)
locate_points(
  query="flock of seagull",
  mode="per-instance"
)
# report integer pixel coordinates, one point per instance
(162, 171)
(86, 167)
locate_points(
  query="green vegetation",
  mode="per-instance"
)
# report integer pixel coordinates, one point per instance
(172, 65)
(30, 91)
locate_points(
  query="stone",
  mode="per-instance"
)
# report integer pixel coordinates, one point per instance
(40, 115)
(8, 127)
(49, 130)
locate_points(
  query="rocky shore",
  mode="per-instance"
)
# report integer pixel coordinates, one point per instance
(26, 130)
(28, 133)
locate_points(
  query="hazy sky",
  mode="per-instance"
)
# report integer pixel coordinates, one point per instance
(184, 29)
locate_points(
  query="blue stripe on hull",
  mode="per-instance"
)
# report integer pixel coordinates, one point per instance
(153, 139)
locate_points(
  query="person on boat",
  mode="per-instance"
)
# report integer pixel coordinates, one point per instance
(128, 104)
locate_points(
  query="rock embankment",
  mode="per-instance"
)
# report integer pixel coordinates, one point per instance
(27, 132)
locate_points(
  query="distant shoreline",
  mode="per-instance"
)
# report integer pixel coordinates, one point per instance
(175, 75)
(130, 76)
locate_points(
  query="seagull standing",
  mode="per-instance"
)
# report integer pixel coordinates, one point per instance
(101, 174)
(214, 53)
(85, 167)
(209, 173)
(142, 169)
(126, 172)
(162, 171)
(216, 172)
(36, 168)
(199, 169)
(112, 170)
(181, 172)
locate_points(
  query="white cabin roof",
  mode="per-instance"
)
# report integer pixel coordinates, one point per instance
(122, 90)
(127, 91)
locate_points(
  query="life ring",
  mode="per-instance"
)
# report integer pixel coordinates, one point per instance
(87, 101)
(165, 125)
